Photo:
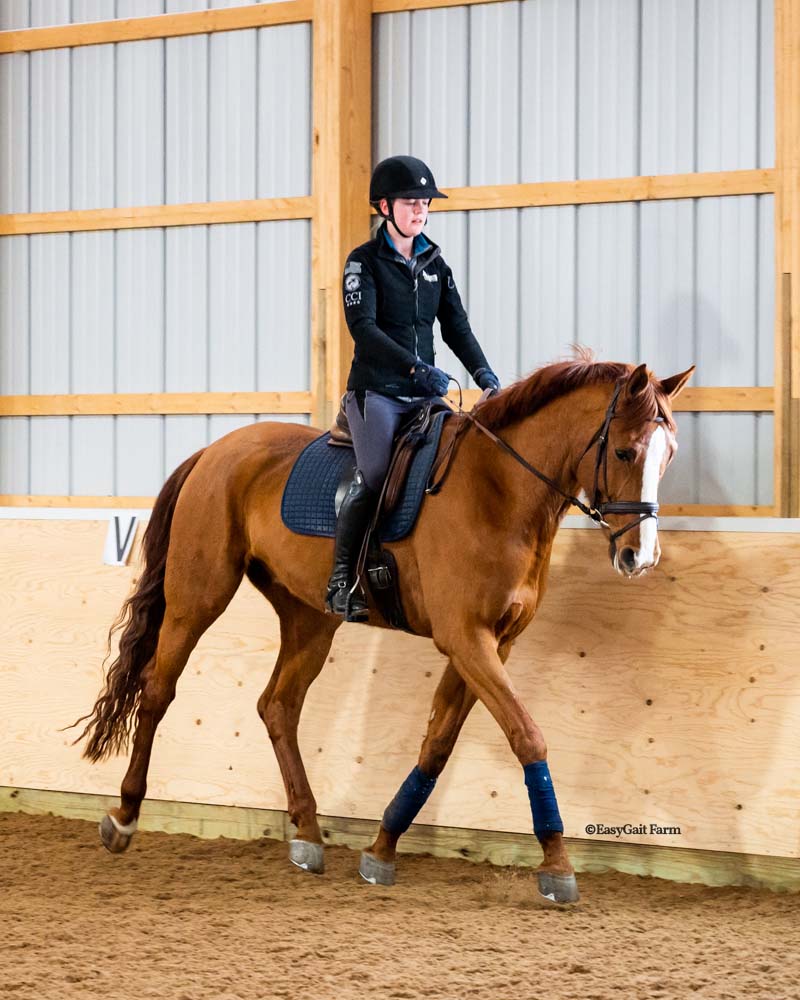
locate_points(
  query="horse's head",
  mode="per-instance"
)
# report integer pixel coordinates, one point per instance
(621, 468)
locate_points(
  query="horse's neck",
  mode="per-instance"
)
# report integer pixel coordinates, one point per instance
(548, 441)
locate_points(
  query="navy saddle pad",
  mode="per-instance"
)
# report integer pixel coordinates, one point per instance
(308, 508)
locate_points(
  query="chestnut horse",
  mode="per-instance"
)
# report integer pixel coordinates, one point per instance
(597, 434)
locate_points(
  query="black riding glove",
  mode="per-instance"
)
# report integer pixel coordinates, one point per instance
(487, 379)
(431, 380)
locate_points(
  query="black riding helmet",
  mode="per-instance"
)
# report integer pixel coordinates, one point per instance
(401, 177)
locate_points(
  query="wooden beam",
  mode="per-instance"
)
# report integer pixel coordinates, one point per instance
(160, 26)
(240, 823)
(398, 6)
(98, 404)
(787, 255)
(341, 160)
(619, 189)
(150, 216)
(22, 501)
(694, 399)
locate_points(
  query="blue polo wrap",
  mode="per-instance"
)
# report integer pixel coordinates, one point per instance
(411, 797)
(544, 808)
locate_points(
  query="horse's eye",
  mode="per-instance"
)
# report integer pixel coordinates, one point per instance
(625, 454)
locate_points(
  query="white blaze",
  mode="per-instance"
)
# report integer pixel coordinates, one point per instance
(650, 476)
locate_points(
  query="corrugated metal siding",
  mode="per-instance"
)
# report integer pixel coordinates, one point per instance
(536, 90)
(670, 283)
(40, 13)
(560, 89)
(220, 117)
(179, 310)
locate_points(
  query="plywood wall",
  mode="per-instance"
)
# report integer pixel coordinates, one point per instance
(672, 700)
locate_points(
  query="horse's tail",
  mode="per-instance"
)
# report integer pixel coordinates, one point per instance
(109, 723)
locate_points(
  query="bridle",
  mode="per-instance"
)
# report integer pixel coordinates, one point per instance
(597, 509)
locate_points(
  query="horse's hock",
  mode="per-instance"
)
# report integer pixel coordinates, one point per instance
(669, 705)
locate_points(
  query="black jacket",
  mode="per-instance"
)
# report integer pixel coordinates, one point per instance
(390, 308)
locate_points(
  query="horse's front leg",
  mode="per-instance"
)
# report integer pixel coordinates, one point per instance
(477, 660)
(451, 706)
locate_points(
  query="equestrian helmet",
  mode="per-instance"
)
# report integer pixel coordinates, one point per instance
(402, 177)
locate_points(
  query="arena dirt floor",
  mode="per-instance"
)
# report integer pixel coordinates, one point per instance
(185, 919)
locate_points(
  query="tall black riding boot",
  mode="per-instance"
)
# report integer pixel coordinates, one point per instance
(351, 525)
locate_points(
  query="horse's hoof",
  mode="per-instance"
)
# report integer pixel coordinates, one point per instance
(307, 856)
(375, 871)
(558, 888)
(114, 836)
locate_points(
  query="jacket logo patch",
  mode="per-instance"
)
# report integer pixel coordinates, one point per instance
(352, 299)
(430, 277)
(352, 282)
(353, 267)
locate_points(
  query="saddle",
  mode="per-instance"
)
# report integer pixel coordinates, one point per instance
(410, 435)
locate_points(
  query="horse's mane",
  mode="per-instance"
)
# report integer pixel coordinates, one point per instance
(530, 394)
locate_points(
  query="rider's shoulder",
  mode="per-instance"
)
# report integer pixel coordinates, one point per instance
(365, 253)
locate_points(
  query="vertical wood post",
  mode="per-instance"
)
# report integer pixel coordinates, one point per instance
(787, 257)
(341, 161)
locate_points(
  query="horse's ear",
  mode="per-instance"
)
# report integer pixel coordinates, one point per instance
(673, 385)
(637, 381)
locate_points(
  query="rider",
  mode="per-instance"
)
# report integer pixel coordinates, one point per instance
(394, 287)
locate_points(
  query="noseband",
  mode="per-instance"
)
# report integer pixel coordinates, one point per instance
(597, 509)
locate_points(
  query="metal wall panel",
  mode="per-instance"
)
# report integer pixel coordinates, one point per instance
(548, 95)
(219, 117)
(37, 13)
(14, 131)
(558, 89)
(220, 308)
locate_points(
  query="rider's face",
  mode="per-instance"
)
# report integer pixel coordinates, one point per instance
(410, 214)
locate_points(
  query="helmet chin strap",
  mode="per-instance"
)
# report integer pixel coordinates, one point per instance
(393, 221)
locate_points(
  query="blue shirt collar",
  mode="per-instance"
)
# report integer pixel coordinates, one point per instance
(419, 246)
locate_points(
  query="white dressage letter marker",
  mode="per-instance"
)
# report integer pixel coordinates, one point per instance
(119, 539)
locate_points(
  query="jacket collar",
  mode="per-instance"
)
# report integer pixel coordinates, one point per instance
(387, 250)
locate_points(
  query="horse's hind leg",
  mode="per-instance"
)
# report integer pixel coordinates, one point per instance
(306, 637)
(452, 703)
(184, 623)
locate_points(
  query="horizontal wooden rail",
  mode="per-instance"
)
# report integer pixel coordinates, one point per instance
(398, 6)
(659, 187)
(129, 403)
(700, 399)
(145, 503)
(156, 216)
(704, 399)
(135, 29)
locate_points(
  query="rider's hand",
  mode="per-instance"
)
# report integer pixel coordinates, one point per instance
(431, 380)
(487, 379)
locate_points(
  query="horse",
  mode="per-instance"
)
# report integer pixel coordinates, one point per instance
(595, 434)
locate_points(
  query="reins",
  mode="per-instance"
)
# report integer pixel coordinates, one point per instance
(596, 510)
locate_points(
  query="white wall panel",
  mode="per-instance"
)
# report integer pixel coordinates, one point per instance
(231, 310)
(51, 112)
(186, 304)
(727, 95)
(607, 293)
(282, 300)
(669, 81)
(547, 293)
(608, 88)
(232, 115)
(14, 131)
(14, 455)
(92, 283)
(493, 276)
(139, 147)
(14, 315)
(92, 126)
(439, 109)
(391, 84)
(548, 133)
(14, 14)
(284, 111)
(187, 75)
(494, 133)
